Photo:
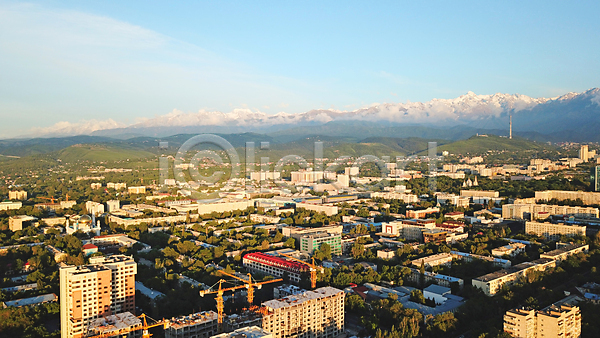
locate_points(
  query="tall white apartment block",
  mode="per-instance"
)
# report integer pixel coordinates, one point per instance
(104, 287)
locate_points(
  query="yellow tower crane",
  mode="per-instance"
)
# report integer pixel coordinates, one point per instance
(250, 284)
(313, 269)
(220, 291)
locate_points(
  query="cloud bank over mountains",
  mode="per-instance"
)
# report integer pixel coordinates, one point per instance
(469, 109)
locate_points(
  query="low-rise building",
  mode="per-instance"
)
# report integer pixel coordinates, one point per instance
(31, 301)
(418, 214)
(8, 205)
(274, 266)
(137, 190)
(564, 250)
(468, 257)
(328, 210)
(435, 236)
(511, 249)
(493, 282)
(444, 259)
(15, 223)
(437, 278)
(386, 254)
(408, 229)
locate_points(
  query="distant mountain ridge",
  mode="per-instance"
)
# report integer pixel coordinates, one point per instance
(570, 117)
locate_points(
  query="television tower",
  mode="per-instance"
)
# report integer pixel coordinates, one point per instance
(510, 127)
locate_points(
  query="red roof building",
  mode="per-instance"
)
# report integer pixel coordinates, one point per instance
(274, 266)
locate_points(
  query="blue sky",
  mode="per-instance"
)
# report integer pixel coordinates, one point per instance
(122, 61)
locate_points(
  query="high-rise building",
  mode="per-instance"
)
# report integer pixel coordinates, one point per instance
(554, 321)
(104, 287)
(596, 175)
(583, 153)
(318, 314)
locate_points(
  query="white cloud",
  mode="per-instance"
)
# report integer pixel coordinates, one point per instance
(65, 128)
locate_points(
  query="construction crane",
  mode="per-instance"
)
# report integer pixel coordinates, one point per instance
(67, 196)
(48, 198)
(250, 284)
(145, 327)
(313, 269)
(220, 291)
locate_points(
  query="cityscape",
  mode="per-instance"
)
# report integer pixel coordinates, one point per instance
(169, 170)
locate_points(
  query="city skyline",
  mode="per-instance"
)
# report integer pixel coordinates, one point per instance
(118, 64)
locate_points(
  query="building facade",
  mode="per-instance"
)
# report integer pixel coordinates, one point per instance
(104, 287)
(554, 231)
(311, 242)
(274, 266)
(316, 314)
(555, 321)
(542, 211)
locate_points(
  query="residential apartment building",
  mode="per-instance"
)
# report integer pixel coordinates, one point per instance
(316, 314)
(564, 250)
(311, 242)
(136, 190)
(468, 257)
(433, 260)
(586, 197)
(391, 195)
(104, 287)
(274, 266)
(297, 232)
(408, 229)
(554, 231)
(439, 279)
(20, 195)
(480, 193)
(417, 214)
(543, 211)
(196, 325)
(511, 249)
(555, 321)
(493, 282)
(328, 210)
(10, 205)
(94, 208)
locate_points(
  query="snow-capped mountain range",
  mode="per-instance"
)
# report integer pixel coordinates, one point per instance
(483, 111)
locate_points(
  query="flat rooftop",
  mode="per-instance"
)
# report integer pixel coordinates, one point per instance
(301, 297)
(50, 297)
(193, 319)
(115, 323)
